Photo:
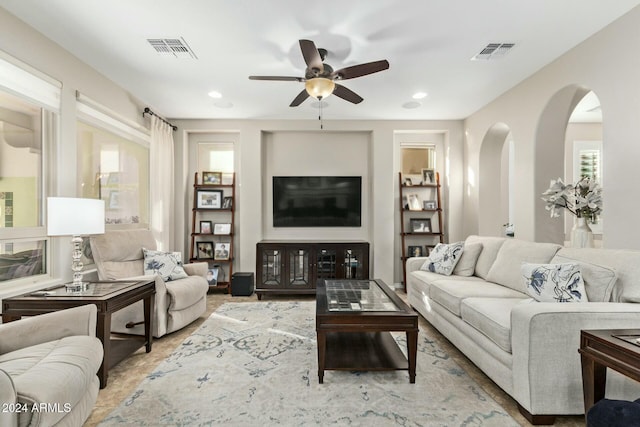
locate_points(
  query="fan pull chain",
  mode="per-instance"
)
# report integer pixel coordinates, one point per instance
(320, 116)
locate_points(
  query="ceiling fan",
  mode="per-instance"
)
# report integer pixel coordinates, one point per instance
(320, 78)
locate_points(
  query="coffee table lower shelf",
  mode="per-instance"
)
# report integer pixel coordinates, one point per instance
(363, 351)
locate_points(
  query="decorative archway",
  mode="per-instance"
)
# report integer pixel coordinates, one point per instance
(492, 197)
(549, 157)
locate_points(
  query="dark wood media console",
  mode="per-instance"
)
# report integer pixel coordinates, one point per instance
(294, 267)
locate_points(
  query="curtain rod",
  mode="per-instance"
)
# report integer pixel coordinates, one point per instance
(147, 110)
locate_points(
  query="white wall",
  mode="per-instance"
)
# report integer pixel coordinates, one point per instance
(382, 170)
(603, 64)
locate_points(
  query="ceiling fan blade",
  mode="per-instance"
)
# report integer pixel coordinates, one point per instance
(278, 78)
(347, 94)
(311, 55)
(360, 70)
(299, 99)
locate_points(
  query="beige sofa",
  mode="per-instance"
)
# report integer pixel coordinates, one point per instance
(48, 367)
(529, 348)
(119, 255)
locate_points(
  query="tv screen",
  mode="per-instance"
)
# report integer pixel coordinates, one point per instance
(317, 201)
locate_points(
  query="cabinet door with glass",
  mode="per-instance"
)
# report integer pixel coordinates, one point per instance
(354, 263)
(271, 267)
(299, 267)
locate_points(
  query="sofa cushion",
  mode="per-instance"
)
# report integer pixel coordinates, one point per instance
(598, 280)
(506, 269)
(443, 258)
(451, 293)
(167, 265)
(467, 264)
(57, 372)
(554, 282)
(491, 317)
(490, 248)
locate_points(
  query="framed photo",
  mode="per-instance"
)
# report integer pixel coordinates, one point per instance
(222, 251)
(227, 178)
(222, 229)
(414, 202)
(212, 178)
(408, 182)
(227, 202)
(427, 249)
(420, 225)
(415, 251)
(428, 176)
(205, 250)
(209, 199)
(205, 227)
(212, 276)
(429, 205)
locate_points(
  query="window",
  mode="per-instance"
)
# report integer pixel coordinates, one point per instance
(24, 127)
(115, 169)
(215, 156)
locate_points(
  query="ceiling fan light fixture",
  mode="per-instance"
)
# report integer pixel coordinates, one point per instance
(319, 87)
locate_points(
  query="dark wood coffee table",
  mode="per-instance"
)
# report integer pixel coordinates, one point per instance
(108, 297)
(354, 319)
(602, 349)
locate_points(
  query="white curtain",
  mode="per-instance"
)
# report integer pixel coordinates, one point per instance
(161, 186)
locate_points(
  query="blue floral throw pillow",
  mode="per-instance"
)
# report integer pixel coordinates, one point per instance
(443, 258)
(167, 265)
(554, 282)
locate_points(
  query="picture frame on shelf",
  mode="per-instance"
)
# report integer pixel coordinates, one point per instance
(222, 229)
(227, 202)
(415, 251)
(209, 199)
(205, 250)
(414, 202)
(212, 276)
(427, 249)
(428, 176)
(205, 227)
(420, 225)
(227, 178)
(407, 182)
(114, 199)
(222, 251)
(429, 205)
(212, 178)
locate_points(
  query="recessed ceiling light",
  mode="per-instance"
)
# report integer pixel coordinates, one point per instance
(419, 95)
(215, 94)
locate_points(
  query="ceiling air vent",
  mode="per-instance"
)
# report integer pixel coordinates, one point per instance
(493, 51)
(176, 47)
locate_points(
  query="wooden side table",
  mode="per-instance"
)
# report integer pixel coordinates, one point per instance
(108, 297)
(601, 349)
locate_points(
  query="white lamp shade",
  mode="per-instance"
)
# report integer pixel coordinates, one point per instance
(68, 216)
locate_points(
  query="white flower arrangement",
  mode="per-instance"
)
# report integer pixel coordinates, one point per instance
(584, 200)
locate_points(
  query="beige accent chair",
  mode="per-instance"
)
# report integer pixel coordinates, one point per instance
(48, 366)
(118, 255)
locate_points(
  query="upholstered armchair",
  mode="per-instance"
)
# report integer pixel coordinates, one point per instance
(51, 360)
(119, 255)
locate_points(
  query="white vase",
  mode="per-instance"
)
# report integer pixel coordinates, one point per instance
(581, 234)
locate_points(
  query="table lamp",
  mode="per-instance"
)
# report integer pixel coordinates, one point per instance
(68, 216)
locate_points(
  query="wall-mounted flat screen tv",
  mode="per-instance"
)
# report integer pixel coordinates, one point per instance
(317, 201)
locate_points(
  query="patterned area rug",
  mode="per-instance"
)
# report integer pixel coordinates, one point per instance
(255, 364)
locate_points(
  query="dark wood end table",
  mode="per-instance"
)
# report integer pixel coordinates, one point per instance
(354, 319)
(602, 349)
(108, 297)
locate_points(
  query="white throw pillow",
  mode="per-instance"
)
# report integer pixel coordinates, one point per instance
(443, 258)
(467, 264)
(167, 265)
(554, 282)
